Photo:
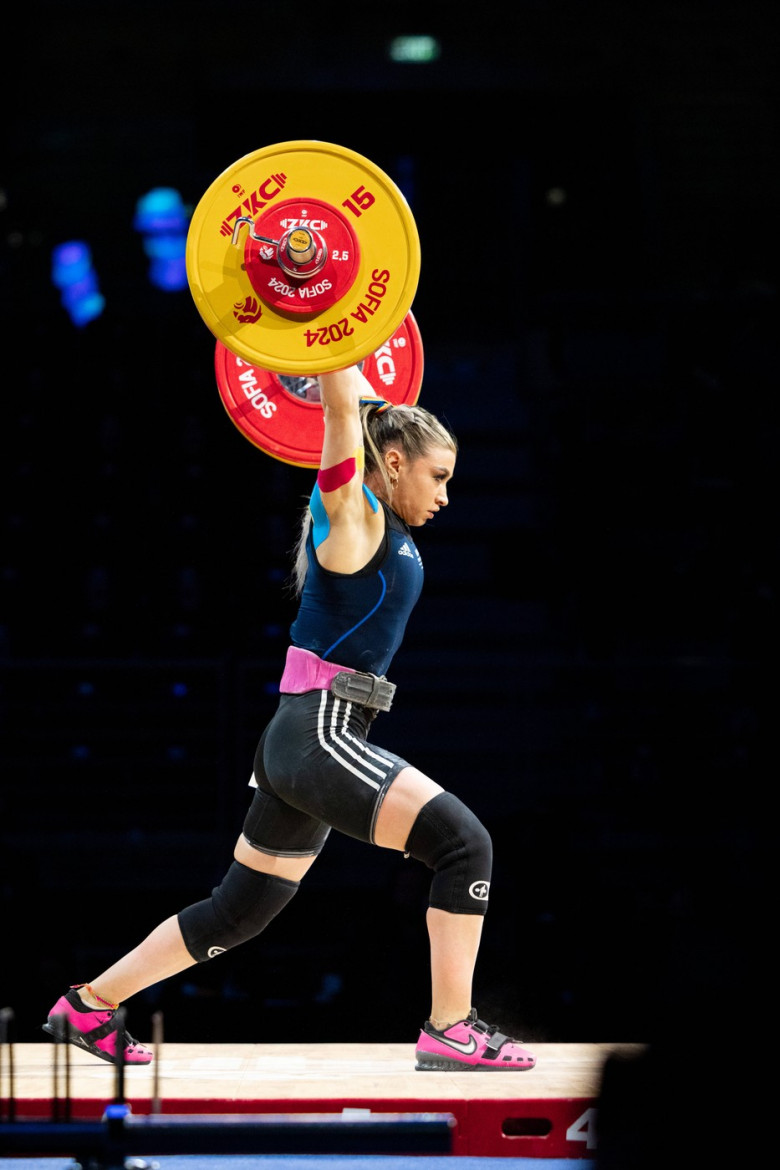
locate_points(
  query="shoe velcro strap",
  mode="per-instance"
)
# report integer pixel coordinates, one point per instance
(101, 1031)
(368, 690)
(496, 1043)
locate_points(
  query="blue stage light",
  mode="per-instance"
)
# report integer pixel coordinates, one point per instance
(70, 262)
(73, 274)
(162, 219)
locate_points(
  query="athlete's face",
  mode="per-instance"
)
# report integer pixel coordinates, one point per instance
(421, 489)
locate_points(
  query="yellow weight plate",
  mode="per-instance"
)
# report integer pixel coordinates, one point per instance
(349, 329)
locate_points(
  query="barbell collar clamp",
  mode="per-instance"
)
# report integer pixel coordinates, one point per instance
(253, 234)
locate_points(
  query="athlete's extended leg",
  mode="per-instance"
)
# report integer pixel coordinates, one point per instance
(255, 888)
(163, 952)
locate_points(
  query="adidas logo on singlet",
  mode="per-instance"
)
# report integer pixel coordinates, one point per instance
(404, 550)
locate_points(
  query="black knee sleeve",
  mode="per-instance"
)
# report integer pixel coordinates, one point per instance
(239, 908)
(450, 840)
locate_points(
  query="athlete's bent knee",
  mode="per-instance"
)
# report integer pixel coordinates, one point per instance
(452, 842)
(239, 908)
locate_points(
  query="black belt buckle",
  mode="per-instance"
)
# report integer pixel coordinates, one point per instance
(368, 690)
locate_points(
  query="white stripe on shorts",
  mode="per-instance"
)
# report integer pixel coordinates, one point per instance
(345, 747)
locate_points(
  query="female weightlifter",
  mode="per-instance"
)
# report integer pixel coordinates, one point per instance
(384, 471)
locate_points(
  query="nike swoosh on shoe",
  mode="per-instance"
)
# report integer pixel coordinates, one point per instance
(467, 1049)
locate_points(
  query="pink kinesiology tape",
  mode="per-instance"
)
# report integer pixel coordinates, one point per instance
(330, 478)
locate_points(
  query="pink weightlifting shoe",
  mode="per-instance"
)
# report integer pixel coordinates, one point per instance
(470, 1046)
(94, 1031)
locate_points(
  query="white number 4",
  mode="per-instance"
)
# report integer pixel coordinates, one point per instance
(583, 1129)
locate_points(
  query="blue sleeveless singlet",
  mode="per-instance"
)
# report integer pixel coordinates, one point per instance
(358, 619)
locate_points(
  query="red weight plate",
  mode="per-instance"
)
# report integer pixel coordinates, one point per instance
(282, 415)
(310, 293)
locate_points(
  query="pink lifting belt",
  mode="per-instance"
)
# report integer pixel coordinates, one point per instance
(305, 671)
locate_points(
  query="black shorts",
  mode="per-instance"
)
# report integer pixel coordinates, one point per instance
(315, 770)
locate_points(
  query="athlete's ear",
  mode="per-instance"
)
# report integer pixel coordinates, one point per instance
(393, 460)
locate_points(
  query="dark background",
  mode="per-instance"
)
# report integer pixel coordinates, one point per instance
(592, 666)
